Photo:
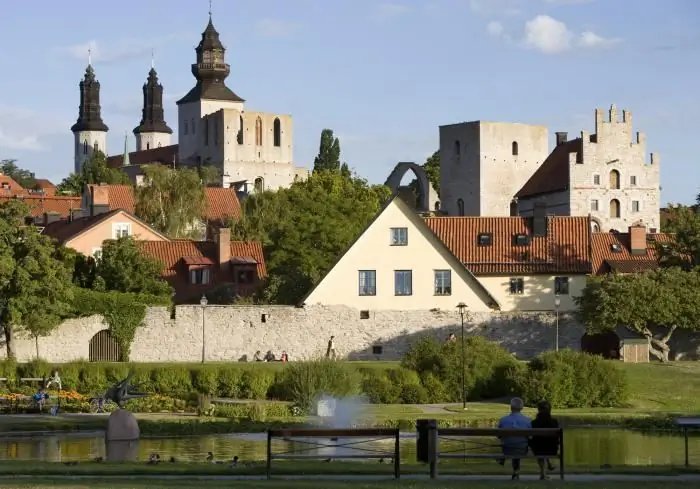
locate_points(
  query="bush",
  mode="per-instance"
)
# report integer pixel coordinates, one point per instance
(378, 388)
(571, 379)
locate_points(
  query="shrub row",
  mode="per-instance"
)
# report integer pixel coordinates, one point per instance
(431, 372)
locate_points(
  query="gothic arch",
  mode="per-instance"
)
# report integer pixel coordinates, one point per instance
(394, 182)
(258, 131)
(277, 132)
(596, 226)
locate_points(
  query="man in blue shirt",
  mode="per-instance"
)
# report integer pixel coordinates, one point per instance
(514, 446)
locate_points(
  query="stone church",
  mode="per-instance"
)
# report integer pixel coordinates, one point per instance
(252, 150)
(507, 169)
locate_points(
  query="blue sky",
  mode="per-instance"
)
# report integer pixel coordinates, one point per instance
(382, 75)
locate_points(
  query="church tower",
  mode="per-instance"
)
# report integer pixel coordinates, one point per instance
(90, 133)
(209, 95)
(152, 132)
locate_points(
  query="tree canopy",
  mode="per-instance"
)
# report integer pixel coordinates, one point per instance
(170, 200)
(24, 178)
(658, 301)
(93, 171)
(35, 285)
(684, 223)
(306, 227)
(328, 158)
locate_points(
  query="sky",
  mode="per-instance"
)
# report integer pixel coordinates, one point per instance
(383, 75)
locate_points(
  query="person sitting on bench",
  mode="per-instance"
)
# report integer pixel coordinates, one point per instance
(514, 446)
(544, 447)
(39, 398)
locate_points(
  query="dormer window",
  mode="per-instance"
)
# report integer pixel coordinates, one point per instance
(521, 240)
(245, 276)
(200, 276)
(485, 239)
(616, 248)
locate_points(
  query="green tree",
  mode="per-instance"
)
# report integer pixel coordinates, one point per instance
(35, 284)
(328, 153)
(23, 177)
(684, 223)
(93, 171)
(662, 300)
(209, 175)
(172, 201)
(306, 227)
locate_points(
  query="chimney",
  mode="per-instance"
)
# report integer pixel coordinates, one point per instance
(99, 199)
(562, 137)
(638, 239)
(539, 219)
(76, 214)
(223, 241)
(50, 217)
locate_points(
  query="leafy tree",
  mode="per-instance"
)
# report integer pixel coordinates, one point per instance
(171, 201)
(306, 227)
(209, 175)
(23, 177)
(662, 300)
(35, 284)
(93, 171)
(328, 153)
(684, 223)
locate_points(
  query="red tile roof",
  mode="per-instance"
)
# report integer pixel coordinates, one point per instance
(64, 230)
(553, 174)
(9, 187)
(565, 249)
(620, 259)
(166, 155)
(43, 183)
(39, 205)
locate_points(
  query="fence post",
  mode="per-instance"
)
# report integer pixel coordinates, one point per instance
(561, 453)
(397, 455)
(269, 455)
(433, 447)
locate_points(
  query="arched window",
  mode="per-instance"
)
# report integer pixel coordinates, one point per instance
(277, 132)
(240, 131)
(614, 179)
(258, 131)
(148, 145)
(595, 227)
(259, 185)
(458, 149)
(95, 147)
(614, 208)
(460, 207)
(514, 148)
(85, 147)
(206, 131)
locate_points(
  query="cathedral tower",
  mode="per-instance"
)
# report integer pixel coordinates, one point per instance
(209, 95)
(152, 132)
(90, 133)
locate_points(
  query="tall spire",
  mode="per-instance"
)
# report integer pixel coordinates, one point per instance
(211, 69)
(125, 158)
(152, 114)
(89, 112)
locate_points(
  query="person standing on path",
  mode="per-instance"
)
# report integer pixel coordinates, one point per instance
(330, 352)
(514, 446)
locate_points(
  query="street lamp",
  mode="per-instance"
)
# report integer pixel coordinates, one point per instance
(557, 303)
(461, 307)
(203, 302)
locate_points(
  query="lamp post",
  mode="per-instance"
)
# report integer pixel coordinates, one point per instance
(203, 302)
(461, 307)
(557, 303)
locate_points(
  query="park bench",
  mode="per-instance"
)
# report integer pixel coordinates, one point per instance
(313, 439)
(473, 444)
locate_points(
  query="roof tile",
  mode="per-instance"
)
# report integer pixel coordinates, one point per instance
(611, 252)
(39, 205)
(166, 155)
(553, 174)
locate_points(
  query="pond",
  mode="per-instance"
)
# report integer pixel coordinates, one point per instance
(589, 447)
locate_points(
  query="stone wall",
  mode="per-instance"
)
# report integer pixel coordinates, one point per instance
(232, 332)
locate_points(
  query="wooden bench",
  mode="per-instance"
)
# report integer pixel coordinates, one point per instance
(325, 435)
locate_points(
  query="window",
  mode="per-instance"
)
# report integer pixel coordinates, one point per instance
(458, 149)
(399, 236)
(614, 208)
(364, 314)
(185, 128)
(85, 147)
(245, 276)
(595, 227)
(377, 349)
(633, 181)
(561, 285)
(443, 282)
(514, 148)
(460, 207)
(614, 179)
(148, 145)
(206, 132)
(635, 206)
(652, 230)
(368, 282)
(484, 239)
(616, 248)
(200, 276)
(277, 132)
(95, 147)
(259, 185)
(517, 285)
(594, 205)
(521, 240)
(121, 230)
(403, 282)
(596, 179)
(239, 137)
(258, 131)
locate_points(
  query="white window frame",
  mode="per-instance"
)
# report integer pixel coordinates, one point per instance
(442, 282)
(117, 227)
(399, 236)
(636, 206)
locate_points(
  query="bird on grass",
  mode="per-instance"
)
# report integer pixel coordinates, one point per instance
(98, 459)
(172, 460)
(153, 459)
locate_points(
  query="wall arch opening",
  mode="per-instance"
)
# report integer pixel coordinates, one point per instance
(615, 208)
(239, 137)
(421, 187)
(277, 132)
(460, 207)
(514, 148)
(614, 179)
(258, 131)
(259, 185)
(104, 348)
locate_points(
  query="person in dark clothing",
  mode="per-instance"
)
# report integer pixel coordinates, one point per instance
(544, 447)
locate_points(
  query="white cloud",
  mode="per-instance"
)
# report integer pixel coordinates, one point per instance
(387, 11)
(119, 51)
(493, 7)
(495, 29)
(22, 129)
(274, 28)
(552, 36)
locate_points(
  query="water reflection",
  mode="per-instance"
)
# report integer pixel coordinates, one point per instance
(584, 447)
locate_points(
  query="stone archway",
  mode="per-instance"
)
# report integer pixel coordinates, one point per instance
(104, 348)
(394, 182)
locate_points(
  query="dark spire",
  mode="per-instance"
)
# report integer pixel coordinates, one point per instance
(210, 70)
(152, 116)
(89, 113)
